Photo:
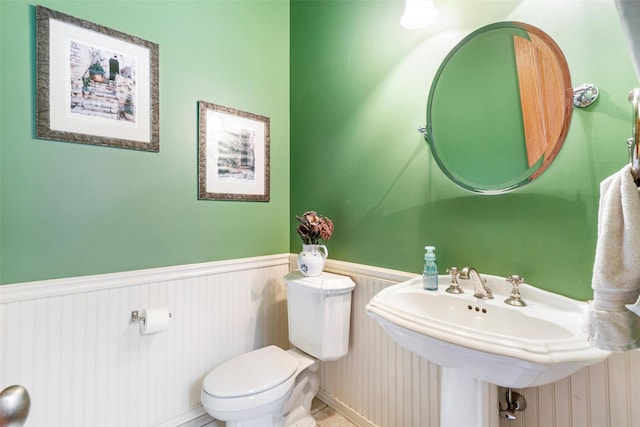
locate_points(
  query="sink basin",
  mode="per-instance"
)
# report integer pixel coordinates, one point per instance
(488, 339)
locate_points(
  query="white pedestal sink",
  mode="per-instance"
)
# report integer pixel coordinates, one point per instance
(486, 341)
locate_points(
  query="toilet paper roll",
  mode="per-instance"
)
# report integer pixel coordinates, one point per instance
(155, 320)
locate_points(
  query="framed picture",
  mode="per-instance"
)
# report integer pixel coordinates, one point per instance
(95, 85)
(233, 155)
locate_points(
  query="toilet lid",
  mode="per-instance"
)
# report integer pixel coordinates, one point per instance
(251, 373)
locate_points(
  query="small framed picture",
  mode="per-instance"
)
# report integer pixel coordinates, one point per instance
(95, 85)
(233, 154)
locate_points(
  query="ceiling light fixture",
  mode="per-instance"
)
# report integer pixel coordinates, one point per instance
(418, 14)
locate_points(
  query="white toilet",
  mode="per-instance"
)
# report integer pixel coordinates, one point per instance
(273, 387)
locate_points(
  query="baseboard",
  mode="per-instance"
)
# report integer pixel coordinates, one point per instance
(344, 410)
(183, 419)
(197, 416)
(191, 417)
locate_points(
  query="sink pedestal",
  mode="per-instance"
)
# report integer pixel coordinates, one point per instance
(466, 401)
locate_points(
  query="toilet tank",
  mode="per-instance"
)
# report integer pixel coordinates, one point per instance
(319, 310)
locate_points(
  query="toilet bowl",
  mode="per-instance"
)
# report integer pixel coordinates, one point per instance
(252, 389)
(271, 387)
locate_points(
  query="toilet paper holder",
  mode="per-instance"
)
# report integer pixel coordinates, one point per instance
(135, 316)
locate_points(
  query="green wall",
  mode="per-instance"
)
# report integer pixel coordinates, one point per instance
(71, 209)
(359, 86)
(348, 86)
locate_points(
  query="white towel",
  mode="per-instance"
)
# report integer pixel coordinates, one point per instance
(616, 270)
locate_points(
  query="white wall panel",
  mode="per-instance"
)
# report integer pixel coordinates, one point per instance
(70, 342)
(384, 384)
(84, 364)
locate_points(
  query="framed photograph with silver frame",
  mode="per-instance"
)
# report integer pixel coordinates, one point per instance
(95, 85)
(233, 154)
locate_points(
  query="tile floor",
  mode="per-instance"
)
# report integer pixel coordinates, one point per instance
(324, 415)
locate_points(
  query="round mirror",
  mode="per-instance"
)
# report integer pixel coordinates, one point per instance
(499, 108)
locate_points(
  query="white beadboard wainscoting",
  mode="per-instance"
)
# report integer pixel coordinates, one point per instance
(71, 343)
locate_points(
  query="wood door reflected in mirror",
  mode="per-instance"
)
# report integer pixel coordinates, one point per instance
(499, 108)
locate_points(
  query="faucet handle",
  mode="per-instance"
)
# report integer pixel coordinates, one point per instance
(515, 280)
(514, 298)
(454, 288)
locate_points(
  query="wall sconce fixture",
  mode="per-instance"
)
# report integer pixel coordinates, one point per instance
(418, 14)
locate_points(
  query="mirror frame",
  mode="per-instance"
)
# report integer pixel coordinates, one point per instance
(552, 148)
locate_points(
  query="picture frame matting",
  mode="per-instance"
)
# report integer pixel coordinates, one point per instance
(95, 85)
(233, 154)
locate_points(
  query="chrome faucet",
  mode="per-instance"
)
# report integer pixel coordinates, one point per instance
(480, 290)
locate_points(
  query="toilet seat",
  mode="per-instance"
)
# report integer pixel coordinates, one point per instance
(251, 373)
(251, 379)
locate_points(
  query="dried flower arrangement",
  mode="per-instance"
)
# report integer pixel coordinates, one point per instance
(313, 227)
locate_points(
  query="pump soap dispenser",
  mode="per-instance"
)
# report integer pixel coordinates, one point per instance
(430, 273)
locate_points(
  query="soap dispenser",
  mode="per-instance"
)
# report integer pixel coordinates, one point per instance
(430, 272)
